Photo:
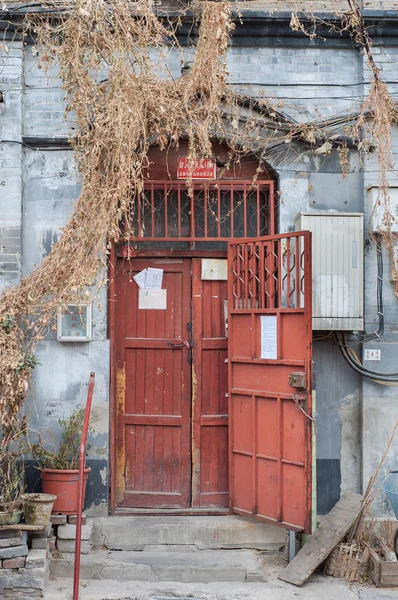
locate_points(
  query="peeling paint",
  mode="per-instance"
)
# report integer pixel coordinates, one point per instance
(120, 452)
(104, 474)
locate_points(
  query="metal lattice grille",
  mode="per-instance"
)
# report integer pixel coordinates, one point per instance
(268, 274)
(215, 211)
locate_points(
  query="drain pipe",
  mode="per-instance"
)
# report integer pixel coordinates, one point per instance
(80, 493)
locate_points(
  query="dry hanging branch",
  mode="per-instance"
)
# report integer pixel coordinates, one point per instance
(116, 121)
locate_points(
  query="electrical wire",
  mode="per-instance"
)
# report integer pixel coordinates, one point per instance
(346, 346)
(62, 148)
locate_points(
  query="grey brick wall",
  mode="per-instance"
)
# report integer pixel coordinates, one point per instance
(11, 119)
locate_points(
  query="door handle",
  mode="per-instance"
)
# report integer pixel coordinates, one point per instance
(179, 345)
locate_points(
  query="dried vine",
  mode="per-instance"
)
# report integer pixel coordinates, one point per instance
(377, 116)
(116, 121)
(122, 98)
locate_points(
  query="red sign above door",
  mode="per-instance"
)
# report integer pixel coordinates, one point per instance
(202, 168)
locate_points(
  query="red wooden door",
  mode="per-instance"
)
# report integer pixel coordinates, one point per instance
(209, 393)
(269, 353)
(153, 388)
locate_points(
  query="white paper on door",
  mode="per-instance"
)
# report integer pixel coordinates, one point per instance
(149, 279)
(152, 299)
(154, 278)
(140, 279)
(269, 337)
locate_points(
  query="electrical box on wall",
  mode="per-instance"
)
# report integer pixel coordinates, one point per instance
(337, 269)
(376, 209)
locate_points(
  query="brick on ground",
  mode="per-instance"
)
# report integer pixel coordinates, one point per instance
(8, 538)
(36, 558)
(39, 543)
(11, 541)
(59, 519)
(13, 552)
(68, 532)
(7, 533)
(22, 579)
(14, 563)
(68, 546)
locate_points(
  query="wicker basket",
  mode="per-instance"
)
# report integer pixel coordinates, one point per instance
(348, 561)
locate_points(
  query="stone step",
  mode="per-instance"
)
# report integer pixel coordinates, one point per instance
(205, 566)
(203, 533)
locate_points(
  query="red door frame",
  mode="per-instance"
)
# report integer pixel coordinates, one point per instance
(112, 316)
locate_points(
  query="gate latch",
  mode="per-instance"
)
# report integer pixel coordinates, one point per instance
(179, 345)
(298, 380)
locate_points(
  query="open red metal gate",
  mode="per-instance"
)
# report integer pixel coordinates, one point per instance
(269, 359)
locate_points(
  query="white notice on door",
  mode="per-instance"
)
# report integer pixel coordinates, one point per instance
(269, 337)
(140, 279)
(149, 279)
(154, 278)
(152, 299)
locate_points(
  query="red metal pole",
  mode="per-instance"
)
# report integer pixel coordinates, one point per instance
(80, 497)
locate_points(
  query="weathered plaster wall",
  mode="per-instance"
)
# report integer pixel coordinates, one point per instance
(50, 186)
(309, 81)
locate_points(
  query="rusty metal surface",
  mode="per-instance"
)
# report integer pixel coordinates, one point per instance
(270, 428)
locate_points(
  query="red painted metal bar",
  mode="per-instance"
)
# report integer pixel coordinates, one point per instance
(80, 497)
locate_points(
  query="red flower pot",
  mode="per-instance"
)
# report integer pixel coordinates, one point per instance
(64, 485)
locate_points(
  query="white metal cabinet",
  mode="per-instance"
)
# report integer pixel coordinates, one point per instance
(337, 268)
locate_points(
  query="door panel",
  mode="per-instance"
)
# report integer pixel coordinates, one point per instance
(154, 390)
(269, 405)
(210, 386)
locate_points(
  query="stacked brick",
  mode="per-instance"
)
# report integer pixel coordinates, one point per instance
(23, 563)
(13, 549)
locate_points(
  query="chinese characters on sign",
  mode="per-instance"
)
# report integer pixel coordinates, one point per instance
(203, 168)
(74, 325)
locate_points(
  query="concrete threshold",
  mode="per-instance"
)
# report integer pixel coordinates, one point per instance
(204, 533)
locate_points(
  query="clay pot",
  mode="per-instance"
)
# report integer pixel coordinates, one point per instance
(10, 518)
(64, 485)
(37, 508)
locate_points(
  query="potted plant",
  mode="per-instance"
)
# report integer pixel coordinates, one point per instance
(60, 469)
(11, 484)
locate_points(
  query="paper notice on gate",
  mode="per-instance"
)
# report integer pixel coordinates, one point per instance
(152, 299)
(140, 279)
(149, 279)
(154, 278)
(269, 337)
